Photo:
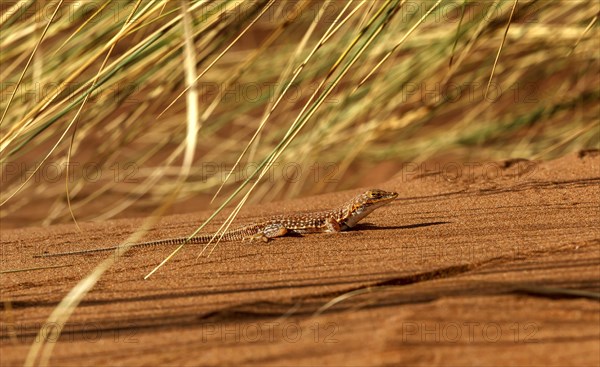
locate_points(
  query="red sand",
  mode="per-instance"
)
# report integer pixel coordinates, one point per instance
(501, 267)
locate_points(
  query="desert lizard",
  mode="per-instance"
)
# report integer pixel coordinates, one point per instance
(336, 220)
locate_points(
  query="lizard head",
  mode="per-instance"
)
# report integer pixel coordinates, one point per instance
(373, 196)
(365, 203)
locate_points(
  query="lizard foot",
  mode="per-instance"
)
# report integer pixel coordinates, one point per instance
(257, 236)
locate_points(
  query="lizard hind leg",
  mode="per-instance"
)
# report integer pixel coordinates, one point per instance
(272, 231)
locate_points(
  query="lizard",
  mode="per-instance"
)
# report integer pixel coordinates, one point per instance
(340, 219)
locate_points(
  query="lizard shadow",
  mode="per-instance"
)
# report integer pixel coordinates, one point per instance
(370, 226)
(373, 227)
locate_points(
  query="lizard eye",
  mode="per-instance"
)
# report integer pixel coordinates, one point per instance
(373, 194)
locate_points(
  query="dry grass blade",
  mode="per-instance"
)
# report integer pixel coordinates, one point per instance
(78, 30)
(346, 296)
(462, 17)
(585, 31)
(192, 93)
(512, 12)
(33, 269)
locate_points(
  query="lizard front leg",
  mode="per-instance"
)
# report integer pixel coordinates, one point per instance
(332, 225)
